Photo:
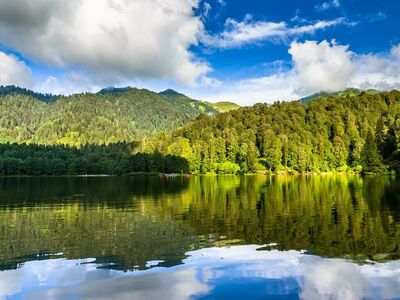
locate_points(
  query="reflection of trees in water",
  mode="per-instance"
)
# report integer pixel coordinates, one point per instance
(90, 217)
(114, 191)
(129, 221)
(124, 238)
(328, 215)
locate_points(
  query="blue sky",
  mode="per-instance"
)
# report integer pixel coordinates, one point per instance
(242, 51)
(377, 29)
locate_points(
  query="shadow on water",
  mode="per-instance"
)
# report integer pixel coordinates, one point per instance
(125, 222)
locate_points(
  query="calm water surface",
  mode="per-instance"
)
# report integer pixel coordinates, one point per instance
(249, 237)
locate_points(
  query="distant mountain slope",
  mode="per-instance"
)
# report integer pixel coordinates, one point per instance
(188, 103)
(224, 106)
(12, 89)
(350, 92)
(205, 106)
(109, 116)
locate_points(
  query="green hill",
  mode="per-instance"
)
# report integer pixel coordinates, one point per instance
(224, 106)
(347, 131)
(109, 116)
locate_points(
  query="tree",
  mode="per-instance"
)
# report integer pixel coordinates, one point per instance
(372, 162)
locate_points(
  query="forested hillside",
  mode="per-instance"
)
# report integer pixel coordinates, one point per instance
(349, 131)
(358, 132)
(110, 116)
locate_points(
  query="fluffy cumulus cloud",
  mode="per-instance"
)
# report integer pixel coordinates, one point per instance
(14, 71)
(380, 72)
(107, 39)
(328, 66)
(322, 66)
(317, 66)
(248, 31)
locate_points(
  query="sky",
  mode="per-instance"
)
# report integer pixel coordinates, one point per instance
(217, 50)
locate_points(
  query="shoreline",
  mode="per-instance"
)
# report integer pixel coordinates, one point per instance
(173, 175)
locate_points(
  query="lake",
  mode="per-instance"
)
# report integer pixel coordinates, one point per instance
(230, 237)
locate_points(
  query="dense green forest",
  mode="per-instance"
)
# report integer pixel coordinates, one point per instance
(124, 130)
(116, 159)
(109, 116)
(351, 132)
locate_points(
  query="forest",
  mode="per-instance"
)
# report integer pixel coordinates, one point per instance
(121, 131)
(114, 115)
(354, 132)
(116, 159)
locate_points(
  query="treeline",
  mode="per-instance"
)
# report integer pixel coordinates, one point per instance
(20, 159)
(358, 132)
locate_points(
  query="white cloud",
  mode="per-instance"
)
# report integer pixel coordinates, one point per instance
(14, 71)
(221, 2)
(328, 4)
(279, 86)
(323, 6)
(207, 8)
(107, 39)
(381, 72)
(237, 34)
(395, 51)
(321, 66)
(67, 84)
(331, 67)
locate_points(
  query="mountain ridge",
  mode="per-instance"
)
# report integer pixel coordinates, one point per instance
(111, 115)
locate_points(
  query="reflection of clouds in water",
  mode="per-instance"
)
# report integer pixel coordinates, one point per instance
(333, 279)
(204, 272)
(10, 283)
(339, 279)
(178, 285)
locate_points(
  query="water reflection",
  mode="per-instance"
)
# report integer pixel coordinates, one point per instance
(238, 272)
(151, 237)
(128, 221)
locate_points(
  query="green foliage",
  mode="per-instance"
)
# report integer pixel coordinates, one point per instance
(348, 132)
(189, 105)
(227, 168)
(108, 117)
(116, 159)
(224, 106)
(345, 131)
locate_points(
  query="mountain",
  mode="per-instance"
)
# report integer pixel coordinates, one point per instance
(347, 131)
(109, 116)
(350, 92)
